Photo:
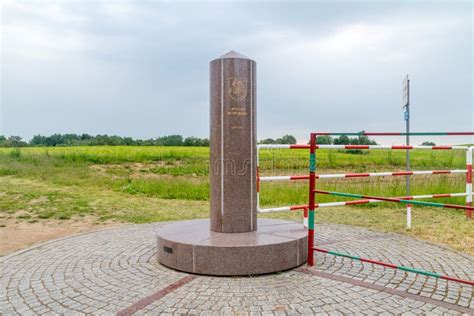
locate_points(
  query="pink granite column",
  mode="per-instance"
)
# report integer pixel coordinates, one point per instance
(233, 144)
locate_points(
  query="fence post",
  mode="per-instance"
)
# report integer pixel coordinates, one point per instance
(469, 181)
(305, 217)
(409, 206)
(311, 204)
(258, 177)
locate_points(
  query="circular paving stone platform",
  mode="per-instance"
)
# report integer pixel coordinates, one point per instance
(116, 271)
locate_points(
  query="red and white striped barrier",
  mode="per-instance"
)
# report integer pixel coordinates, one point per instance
(355, 202)
(360, 175)
(467, 171)
(302, 146)
(309, 209)
(397, 200)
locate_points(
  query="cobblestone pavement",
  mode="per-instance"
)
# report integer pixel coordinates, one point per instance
(116, 270)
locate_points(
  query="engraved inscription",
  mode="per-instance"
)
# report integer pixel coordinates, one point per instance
(238, 88)
(235, 111)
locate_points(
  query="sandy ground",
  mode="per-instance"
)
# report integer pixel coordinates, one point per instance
(16, 235)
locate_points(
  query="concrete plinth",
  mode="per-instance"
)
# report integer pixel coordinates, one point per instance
(190, 246)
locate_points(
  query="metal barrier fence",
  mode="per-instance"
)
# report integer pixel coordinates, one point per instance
(309, 209)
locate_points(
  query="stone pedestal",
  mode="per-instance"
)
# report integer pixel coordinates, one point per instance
(230, 243)
(190, 246)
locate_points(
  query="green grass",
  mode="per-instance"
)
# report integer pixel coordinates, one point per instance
(146, 184)
(36, 199)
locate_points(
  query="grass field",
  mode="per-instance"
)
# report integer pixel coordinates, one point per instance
(145, 184)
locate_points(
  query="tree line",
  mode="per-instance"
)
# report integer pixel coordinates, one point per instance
(57, 140)
(324, 140)
(345, 140)
(169, 140)
(360, 140)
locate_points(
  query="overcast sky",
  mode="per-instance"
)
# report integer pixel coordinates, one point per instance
(141, 69)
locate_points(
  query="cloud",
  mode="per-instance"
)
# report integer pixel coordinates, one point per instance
(141, 68)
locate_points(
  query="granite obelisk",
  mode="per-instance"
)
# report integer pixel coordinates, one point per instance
(233, 144)
(229, 243)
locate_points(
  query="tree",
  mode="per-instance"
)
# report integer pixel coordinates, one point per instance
(54, 140)
(360, 140)
(128, 141)
(15, 141)
(268, 141)
(287, 139)
(38, 140)
(428, 143)
(86, 137)
(363, 140)
(342, 140)
(195, 141)
(324, 140)
(172, 140)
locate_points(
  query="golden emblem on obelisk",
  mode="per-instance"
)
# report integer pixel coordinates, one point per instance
(238, 88)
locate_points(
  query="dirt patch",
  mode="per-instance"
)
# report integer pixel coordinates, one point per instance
(16, 235)
(133, 167)
(142, 171)
(40, 200)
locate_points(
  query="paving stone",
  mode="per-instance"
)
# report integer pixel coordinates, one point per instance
(107, 271)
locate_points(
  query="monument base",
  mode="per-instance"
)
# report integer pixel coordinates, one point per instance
(190, 246)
